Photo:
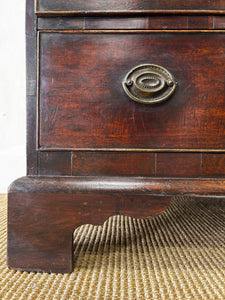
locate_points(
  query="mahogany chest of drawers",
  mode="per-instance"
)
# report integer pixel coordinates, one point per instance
(125, 108)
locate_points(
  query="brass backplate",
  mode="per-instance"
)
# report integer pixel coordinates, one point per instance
(149, 84)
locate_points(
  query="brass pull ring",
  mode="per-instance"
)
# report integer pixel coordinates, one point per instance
(149, 84)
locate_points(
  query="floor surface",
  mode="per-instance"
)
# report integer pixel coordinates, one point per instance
(178, 255)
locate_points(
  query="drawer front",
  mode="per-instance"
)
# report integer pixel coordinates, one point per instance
(64, 6)
(82, 104)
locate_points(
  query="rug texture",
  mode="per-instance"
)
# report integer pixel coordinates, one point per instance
(178, 255)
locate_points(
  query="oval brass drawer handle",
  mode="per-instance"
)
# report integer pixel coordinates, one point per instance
(149, 84)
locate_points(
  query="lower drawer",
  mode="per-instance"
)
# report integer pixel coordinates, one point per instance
(83, 105)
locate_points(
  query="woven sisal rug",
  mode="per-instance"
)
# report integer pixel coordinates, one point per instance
(178, 255)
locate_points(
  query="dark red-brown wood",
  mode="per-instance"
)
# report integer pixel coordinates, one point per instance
(81, 91)
(43, 212)
(213, 164)
(178, 165)
(55, 163)
(128, 5)
(31, 88)
(91, 151)
(219, 22)
(132, 22)
(113, 164)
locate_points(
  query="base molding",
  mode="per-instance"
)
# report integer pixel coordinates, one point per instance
(43, 212)
(114, 185)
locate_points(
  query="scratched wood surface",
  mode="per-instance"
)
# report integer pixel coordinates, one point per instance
(79, 119)
(116, 163)
(44, 211)
(128, 5)
(83, 105)
(133, 22)
(31, 88)
(150, 22)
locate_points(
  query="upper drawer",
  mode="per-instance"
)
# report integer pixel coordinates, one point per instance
(127, 6)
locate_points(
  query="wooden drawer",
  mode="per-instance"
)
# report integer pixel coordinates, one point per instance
(83, 105)
(109, 6)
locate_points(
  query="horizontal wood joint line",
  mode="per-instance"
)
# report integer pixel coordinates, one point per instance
(129, 12)
(131, 150)
(133, 31)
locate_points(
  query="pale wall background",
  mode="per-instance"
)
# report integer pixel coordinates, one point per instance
(12, 92)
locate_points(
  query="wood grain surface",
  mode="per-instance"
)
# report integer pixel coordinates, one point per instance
(133, 22)
(113, 163)
(83, 105)
(43, 212)
(128, 5)
(91, 151)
